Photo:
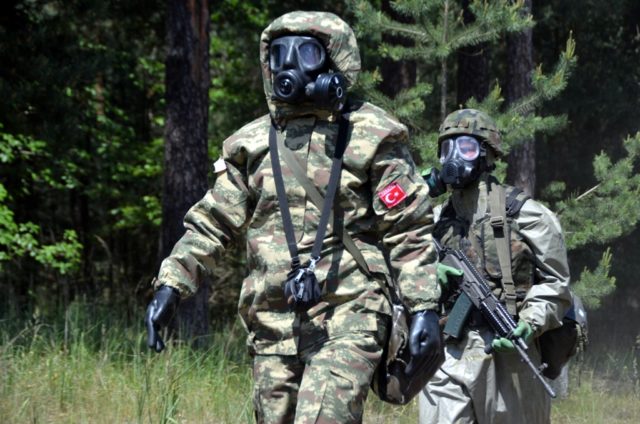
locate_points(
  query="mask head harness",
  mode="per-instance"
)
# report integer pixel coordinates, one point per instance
(299, 66)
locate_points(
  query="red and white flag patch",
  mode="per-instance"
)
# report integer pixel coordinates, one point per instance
(392, 194)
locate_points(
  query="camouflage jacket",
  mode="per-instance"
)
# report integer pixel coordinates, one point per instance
(538, 254)
(243, 201)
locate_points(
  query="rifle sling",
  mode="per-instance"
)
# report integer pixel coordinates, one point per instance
(503, 242)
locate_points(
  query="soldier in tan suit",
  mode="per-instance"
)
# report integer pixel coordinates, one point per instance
(473, 385)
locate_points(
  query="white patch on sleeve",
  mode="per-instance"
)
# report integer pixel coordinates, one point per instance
(219, 166)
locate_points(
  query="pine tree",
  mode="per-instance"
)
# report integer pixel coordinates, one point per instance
(185, 155)
(601, 214)
(439, 30)
(438, 34)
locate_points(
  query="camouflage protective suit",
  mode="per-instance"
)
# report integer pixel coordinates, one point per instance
(473, 386)
(315, 367)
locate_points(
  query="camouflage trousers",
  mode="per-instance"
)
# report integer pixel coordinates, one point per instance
(327, 382)
(473, 387)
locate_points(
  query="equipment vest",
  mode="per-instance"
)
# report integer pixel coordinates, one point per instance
(478, 242)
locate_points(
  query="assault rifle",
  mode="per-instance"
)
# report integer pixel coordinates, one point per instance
(476, 292)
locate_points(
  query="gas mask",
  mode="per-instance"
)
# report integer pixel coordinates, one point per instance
(299, 65)
(462, 159)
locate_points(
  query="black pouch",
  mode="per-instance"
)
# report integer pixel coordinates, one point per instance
(302, 289)
(390, 382)
(557, 346)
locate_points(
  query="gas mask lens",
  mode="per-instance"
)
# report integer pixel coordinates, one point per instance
(276, 56)
(310, 54)
(464, 147)
(290, 52)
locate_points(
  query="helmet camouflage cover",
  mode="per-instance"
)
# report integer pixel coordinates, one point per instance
(471, 122)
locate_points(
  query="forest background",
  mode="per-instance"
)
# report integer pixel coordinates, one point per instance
(111, 114)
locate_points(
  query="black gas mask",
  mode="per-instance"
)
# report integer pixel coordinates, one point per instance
(299, 66)
(463, 159)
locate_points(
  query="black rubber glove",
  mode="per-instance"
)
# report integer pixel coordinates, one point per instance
(425, 341)
(159, 313)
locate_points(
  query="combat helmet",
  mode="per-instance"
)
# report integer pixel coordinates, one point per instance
(471, 122)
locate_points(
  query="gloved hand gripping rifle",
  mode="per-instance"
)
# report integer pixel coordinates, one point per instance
(476, 292)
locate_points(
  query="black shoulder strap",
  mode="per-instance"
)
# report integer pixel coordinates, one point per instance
(515, 201)
(282, 198)
(318, 199)
(328, 201)
(334, 177)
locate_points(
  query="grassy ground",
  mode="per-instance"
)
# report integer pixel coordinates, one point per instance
(83, 373)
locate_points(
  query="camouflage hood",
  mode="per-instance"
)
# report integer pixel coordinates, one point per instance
(336, 36)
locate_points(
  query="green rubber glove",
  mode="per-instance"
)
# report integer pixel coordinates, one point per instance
(443, 272)
(504, 345)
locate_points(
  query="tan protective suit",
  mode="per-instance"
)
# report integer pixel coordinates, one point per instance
(475, 387)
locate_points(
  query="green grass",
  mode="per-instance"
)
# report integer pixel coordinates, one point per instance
(81, 372)
(42, 380)
(594, 402)
(604, 388)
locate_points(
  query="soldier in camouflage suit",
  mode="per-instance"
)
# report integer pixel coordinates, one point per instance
(314, 366)
(473, 386)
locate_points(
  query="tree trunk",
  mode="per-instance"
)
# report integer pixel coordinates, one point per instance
(521, 171)
(396, 76)
(185, 155)
(443, 65)
(473, 66)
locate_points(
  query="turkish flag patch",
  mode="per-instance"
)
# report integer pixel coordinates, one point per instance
(392, 194)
